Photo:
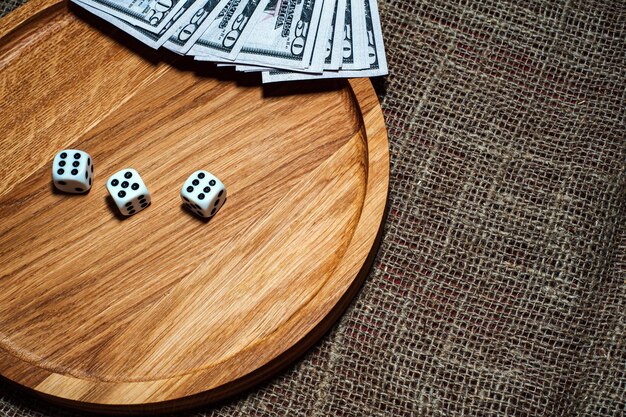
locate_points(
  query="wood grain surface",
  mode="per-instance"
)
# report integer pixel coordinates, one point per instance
(162, 310)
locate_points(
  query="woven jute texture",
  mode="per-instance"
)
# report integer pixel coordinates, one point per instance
(500, 285)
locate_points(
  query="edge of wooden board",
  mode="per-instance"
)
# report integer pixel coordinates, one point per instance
(165, 395)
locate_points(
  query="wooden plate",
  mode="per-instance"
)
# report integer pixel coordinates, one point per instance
(161, 310)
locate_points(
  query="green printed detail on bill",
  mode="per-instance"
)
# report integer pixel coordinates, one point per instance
(193, 23)
(152, 15)
(225, 36)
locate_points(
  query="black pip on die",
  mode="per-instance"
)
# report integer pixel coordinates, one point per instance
(203, 193)
(72, 171)
(128, 191)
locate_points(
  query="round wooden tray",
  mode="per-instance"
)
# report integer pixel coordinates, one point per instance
(161, 310)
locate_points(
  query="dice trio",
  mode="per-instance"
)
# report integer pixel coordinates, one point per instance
(72, 172)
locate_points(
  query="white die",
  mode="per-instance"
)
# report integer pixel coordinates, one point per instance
(128, 191)
(203, 193)
(72, 171)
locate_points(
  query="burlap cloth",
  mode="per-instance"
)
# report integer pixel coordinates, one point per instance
(500, 285)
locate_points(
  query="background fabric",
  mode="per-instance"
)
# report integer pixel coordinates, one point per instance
(500, 285)
(7, 5)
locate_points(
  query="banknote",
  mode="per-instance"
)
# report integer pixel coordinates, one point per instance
(333, 59)
(214, 59)
(354, 39)
(225, 36)
(323, 39)
(377, 62)
(376, 58)
(237, 67)
(151, 15)
(323, 42)
(284, 36)
(251, 68)
(153, 40)
(326, 46)
(345, 43)
(193, 23)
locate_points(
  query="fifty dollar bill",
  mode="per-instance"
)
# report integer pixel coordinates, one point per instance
(153, 40)
(151, 15)
(284, 36)
(225, 36)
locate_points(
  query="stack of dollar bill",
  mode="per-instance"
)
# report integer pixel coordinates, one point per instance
(283, 39)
